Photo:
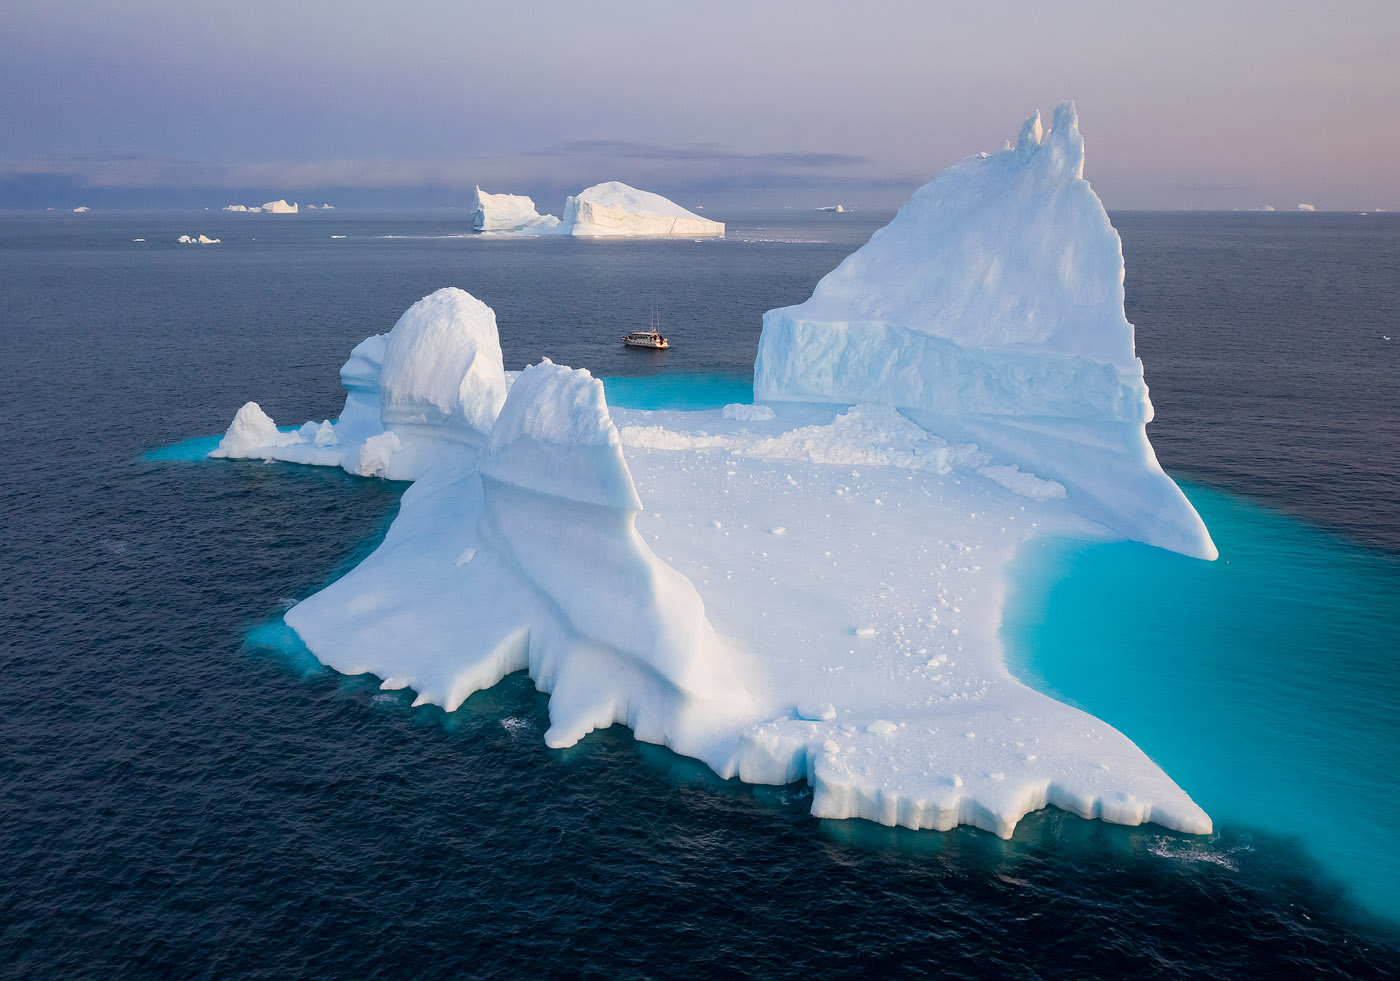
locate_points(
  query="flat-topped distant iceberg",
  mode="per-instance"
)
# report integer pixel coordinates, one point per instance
(810, 587)
(615, 209)
(508, 213)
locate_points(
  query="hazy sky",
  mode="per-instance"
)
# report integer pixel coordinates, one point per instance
(1193, 104)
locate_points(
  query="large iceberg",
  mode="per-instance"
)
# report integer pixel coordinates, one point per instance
(614, 209)
(806, 588)
(508, 213)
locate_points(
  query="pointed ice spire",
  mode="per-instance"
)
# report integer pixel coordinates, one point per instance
(1066, 146)
(1031, 134)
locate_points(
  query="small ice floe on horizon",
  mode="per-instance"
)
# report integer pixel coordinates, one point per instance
(201, 240)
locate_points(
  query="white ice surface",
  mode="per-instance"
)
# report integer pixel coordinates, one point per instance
(615, 209)
(508, 213)
(805, 589)
(992, 308)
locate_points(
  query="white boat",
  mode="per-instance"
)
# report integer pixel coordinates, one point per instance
(651, 337)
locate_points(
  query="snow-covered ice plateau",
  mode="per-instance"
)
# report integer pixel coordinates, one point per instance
(809, 587)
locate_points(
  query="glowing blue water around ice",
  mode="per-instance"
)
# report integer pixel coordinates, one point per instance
(1261, 682)
(1264, 683)
(678, 391)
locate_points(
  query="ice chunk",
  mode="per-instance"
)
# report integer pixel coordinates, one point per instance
(375, 455)
(252, 429)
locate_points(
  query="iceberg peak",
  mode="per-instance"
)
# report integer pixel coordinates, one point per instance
(442, 364)
(991, 309)
(1031, 134)
(1063, 146)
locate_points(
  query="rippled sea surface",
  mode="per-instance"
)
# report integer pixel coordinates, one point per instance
(185, 794)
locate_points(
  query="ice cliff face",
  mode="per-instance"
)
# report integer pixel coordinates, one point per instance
(991, 308)
(508, 213)
(615, 209)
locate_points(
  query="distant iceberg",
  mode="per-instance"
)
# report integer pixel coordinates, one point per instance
(508, 213)
(615, 209)
(609, 210)
(807, 588)
(200, 240)
(278, 207)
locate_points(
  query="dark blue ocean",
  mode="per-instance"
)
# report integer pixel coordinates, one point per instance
(184, 794)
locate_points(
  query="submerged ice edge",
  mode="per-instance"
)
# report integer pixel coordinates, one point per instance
(810, 588)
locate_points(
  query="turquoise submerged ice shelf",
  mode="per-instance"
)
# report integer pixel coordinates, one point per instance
(687, 392)
(1265, 683)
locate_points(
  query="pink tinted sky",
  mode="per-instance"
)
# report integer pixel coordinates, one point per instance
(1185, 105)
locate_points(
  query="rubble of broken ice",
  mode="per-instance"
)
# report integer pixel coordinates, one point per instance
(808, 587)
(608, 210)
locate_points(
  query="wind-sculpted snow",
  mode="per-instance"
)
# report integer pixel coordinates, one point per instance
(810, 588)
(991, 307)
